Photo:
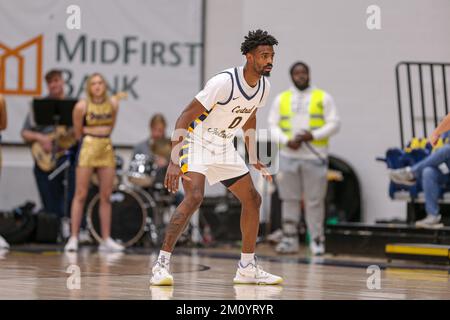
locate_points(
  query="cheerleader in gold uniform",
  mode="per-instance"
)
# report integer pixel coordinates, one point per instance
(93, 121)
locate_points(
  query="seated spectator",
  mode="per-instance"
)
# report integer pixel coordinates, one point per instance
(433, 174)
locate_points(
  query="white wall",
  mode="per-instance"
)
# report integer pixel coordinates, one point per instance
(353, 64)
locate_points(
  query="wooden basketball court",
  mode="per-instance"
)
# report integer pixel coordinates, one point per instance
(45, 272)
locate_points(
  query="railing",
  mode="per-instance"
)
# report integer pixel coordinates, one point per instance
(422, 85)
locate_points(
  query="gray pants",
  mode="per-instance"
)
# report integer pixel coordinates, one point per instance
(307, 177)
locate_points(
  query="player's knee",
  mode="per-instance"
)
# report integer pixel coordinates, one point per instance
(256, 198)
(194, 199)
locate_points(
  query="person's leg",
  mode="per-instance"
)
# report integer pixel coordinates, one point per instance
(83, 176)
(63, 204)
(249, 271)
(314, 175)
(275, 210)
(71, 189)
(434, 160)
(245, 191)
(43, 188)
(193, 197)
(290, 206)
(106, 184)
(56, 194)
(409, 175)
(290, 192)
(432, 180)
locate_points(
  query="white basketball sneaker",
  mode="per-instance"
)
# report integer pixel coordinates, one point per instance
(3, 243)
(72, 244)
(160, 274)
(161, 293)
(317, 248)
(430, 222)
(288, 245)
(403, 176)
(276, 236)
(254, 274)
(110, 245)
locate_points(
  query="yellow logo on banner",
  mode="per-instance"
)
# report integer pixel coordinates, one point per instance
(15, 53)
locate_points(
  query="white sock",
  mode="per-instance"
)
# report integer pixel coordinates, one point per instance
(164, 255)
(247, 258)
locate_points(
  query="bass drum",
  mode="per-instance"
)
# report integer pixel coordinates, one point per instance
(132, 210)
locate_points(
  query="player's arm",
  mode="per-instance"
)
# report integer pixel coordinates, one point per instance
(249, 129)
(189, 114)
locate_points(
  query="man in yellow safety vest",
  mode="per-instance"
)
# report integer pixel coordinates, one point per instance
(303, 117)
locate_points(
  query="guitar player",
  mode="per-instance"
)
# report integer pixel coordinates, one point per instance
(42, 137)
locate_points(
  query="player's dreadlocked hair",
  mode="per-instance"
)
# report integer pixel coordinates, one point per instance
(257, 38)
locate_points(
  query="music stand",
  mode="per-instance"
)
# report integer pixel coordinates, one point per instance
(53, 112)
(57, 112)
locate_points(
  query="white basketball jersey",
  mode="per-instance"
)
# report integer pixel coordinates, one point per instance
(218, 126)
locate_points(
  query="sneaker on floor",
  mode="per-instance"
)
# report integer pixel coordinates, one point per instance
(85, 237)
(288, 245)
(276, 236)
(254, 274)
(161, 292)
(3, 244)
(430, 222)
(71, 245)
(161, 275)
(3, 253)
(317, 248)
(403, 176)
(110, 245)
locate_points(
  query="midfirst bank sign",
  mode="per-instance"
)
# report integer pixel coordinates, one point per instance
(150, 49)
(129, 51)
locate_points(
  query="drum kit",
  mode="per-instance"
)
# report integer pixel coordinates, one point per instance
(139, 203)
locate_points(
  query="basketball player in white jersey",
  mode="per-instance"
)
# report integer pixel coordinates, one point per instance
(228, 102)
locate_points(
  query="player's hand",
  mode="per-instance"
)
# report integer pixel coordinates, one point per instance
(434, 138)
(172, 179)
(265, 173)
